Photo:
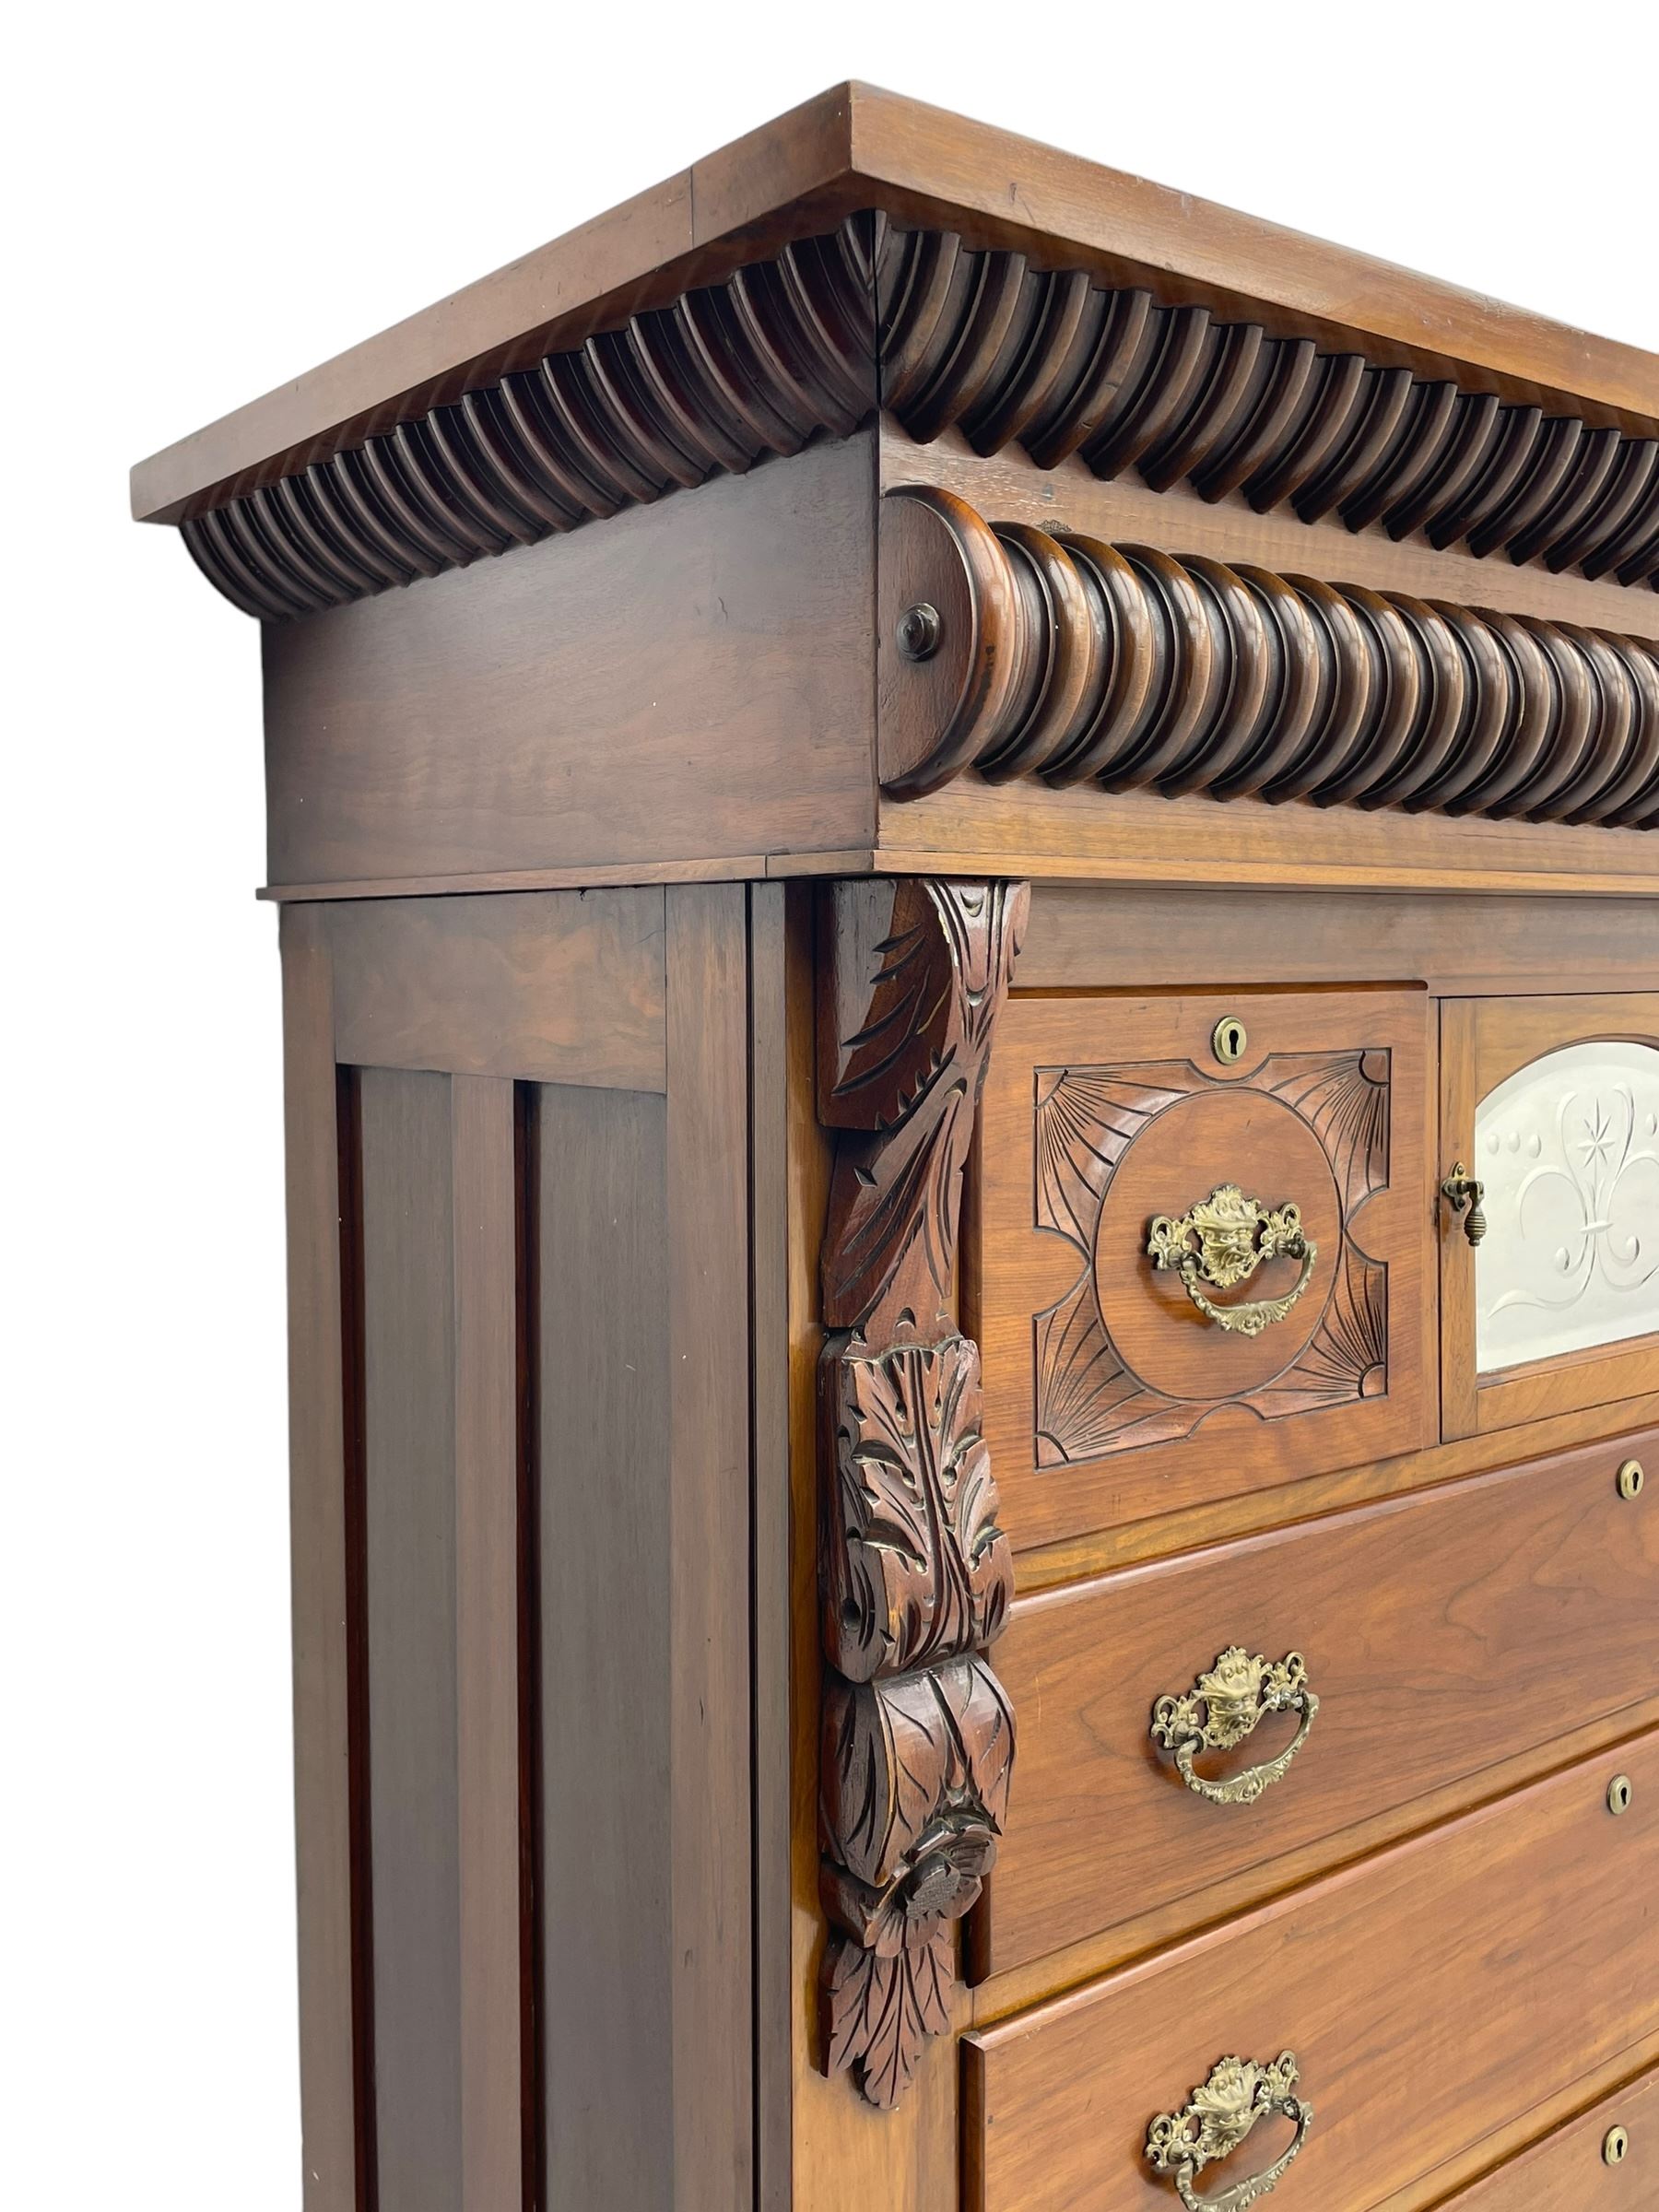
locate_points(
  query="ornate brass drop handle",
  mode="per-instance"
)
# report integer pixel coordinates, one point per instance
(1222, 1240)
(1224, 1707)
(1219, 2118)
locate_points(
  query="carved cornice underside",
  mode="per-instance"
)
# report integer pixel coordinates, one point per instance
(915, 1576)
(943, 337)
(1078, 662)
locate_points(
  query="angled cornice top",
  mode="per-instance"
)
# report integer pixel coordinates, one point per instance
(861, 252)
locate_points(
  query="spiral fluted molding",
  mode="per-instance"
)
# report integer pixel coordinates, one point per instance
(942, 337)
(1078, 662)
(983, 343)
(783, 351)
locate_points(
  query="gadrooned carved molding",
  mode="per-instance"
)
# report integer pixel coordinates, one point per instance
(1118, 666)
(915, 1574)
(782, 351)
(1007, 353)
(941, 336)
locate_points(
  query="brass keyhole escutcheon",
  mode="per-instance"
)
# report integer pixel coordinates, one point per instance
(1631, 1479)
(1619, 1793)
(1229, 1039)
(1615, 2144)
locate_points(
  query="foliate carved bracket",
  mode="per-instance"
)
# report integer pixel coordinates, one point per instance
(915, 1574)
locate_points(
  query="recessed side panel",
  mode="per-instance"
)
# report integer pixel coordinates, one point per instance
(603, 1530)
(409, 1396)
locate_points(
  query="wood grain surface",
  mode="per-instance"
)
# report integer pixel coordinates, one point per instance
(688, 681)
(546, 990)
(1432, 1996)
(1569, 2170)
(1061, 1271)
(855, 146)
(413, 1752)
(1443, 1633)
(335, 2132)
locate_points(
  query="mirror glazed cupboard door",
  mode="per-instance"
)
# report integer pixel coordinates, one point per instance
(1553, 1105)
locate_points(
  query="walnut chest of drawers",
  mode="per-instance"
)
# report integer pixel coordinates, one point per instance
(970, 919)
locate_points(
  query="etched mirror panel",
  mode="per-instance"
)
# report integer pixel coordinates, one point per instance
(1569, 1151)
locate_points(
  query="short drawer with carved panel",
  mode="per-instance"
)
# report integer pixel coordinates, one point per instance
(1204, 1235)
(970, 916)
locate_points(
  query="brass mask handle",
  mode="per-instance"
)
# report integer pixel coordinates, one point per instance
(1217, 2119)
(1222, 1240)
(1223, 1708)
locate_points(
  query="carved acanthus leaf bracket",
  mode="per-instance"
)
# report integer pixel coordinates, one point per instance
(916, 1576)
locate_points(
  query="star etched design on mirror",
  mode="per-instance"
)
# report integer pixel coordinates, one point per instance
(1569, 1151)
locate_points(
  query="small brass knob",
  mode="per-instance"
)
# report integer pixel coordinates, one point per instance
(1465, 1195)
(1621, 1791)
(1630, 1478)
(1616, 2143)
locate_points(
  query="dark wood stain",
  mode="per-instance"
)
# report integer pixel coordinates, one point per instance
(605, 1525)
(409, 1447)
(521, 714)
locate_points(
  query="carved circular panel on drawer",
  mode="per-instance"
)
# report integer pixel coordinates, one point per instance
(1248, 1140)
(1196, 1280)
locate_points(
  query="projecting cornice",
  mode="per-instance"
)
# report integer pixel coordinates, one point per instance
(804, 345)
(1017, 653)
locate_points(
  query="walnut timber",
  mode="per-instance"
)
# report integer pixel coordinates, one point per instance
(760, 1348)
(913, 322)
(918, 1743)
(1058, 656)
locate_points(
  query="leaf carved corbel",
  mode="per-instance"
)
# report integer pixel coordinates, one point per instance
(916, 1575)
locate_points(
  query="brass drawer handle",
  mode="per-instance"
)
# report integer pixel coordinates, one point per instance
(1224, 1707)
(1220, 2115)
(1222, 1240)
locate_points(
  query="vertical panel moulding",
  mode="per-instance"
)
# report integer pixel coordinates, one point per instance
(770, 1562)
(712, 1992)
(487, 1585)
(526, 1184)
(603, 1533)
(333, 2114)
(409, 1458)
(349, 1131)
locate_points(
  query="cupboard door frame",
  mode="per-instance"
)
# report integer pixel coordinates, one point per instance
(1482, 1042)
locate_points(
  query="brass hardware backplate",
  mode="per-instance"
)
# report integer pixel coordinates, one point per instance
(1615, 2144)
(1222, 1240)
(1228, 1040)
(1465, 1195)
(1223, 1708)
(1215, 2121)
(1631, 1479)
(1621, 1791)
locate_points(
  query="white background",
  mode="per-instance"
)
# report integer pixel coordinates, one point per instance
(201, 201)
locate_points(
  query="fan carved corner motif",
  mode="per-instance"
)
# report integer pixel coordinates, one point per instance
(1092, 1395)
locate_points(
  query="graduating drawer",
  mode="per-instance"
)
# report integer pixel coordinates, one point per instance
(1441, 1633)
(1426, 1998)
(1199, 1258)
(1605, 2160)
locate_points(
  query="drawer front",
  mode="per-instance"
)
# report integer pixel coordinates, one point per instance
(1443, 1632)
(1432, 1995)
(1249, 1345)
(1579, 2169)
